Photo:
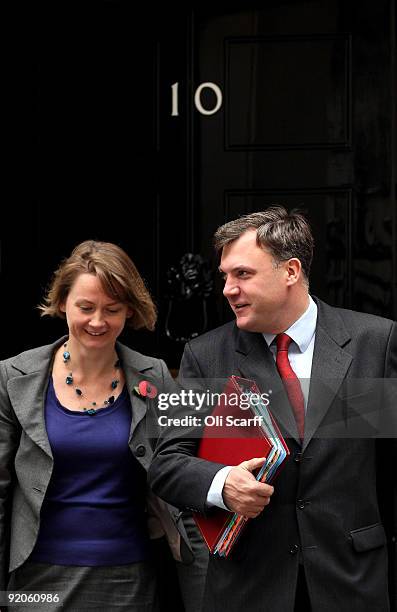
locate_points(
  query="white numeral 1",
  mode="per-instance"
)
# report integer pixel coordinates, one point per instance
(175, 111)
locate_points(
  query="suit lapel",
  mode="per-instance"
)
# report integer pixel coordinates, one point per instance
(329, 367)
(331, 362)
(255, 361)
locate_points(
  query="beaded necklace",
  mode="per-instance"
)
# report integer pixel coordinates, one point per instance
(93, 406)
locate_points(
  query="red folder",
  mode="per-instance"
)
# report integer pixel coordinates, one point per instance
(231, 444)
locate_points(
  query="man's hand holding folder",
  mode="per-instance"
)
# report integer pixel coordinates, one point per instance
(246, 488)
(242, 493)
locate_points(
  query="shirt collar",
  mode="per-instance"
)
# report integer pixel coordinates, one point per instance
(302, 331)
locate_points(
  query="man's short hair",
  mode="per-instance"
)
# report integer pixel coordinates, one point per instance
(283, 234)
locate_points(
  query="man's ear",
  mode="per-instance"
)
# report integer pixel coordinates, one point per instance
(294, 270)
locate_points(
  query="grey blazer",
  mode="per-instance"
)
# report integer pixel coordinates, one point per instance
(26, 460)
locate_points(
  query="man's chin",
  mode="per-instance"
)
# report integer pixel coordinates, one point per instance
(244, 324)
(249, 325)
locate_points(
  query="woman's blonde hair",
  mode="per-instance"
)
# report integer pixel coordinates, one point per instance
(117, 273)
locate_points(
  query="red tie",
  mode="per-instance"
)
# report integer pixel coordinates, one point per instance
(291, 382)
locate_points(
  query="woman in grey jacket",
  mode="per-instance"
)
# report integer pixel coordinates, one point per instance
(75, 447)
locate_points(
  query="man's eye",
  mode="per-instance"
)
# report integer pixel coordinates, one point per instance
(242, 273)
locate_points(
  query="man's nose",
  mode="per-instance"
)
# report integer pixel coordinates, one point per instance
(231, 288)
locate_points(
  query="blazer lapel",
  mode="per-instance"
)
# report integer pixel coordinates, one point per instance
(135, 369)
(27, 397)
(28, 388)
(255, 361)
(329, 367)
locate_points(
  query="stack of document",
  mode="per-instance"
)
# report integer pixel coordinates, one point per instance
(239, 431)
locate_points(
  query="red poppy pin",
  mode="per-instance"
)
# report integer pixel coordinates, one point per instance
(146, 389)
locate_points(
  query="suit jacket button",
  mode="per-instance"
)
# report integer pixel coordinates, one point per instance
(294, 549)
(298, 457)
(301, 504)
(140, 450)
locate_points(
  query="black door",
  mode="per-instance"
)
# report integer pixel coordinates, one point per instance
(112, 135)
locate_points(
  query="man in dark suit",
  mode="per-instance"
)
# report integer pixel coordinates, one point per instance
(317, 540)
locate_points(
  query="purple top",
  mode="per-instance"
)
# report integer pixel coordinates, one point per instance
(94, 509)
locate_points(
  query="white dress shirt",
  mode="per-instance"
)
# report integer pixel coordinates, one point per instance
(300, 354)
